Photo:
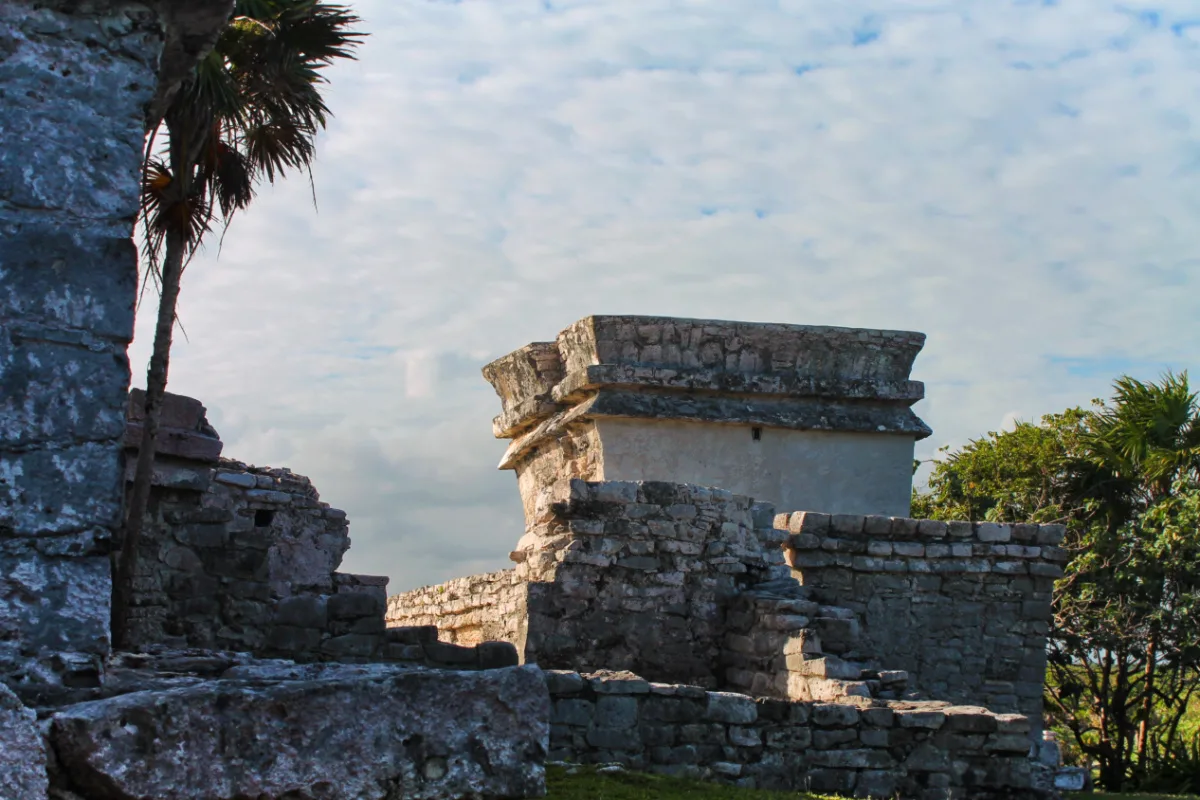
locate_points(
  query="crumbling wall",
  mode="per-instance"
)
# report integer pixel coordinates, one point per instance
(621, 575)
(478, 608)
(242, 558)
(877, 749)
(75, 85)
(963, 607)
(636, 576)
(216, 563)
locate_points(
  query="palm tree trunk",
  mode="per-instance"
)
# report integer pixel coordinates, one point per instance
(156, 387)
(1147, 709)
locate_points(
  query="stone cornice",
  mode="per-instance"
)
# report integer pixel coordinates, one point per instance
(791, 376)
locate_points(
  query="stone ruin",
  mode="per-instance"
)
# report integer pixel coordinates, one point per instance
(867, 653)
(243, 558)
(681, 628)
(245, 683)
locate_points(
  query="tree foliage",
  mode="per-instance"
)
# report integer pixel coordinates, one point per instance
(1124, 476)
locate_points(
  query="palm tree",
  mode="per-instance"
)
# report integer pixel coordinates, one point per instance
(1150, 433)
(250, 111)
(1139, 448)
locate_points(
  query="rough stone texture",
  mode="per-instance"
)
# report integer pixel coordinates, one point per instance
(465, 611)
(863, 622)
(22, 751)
(407, 734)
(963, 607)
(856, 747)
(620, 576)
(835, 400)
(73, 87)
(216, 563)
(75, 82)
(237, 557)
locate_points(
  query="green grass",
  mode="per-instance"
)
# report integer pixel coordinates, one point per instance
(584, 783)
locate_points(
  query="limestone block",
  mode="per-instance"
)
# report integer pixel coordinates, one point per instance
(53, 603)
(834, 715)
(1051, 534)
(809, 522)
(932, 529)
(920, 718)
(423, 734)
(993, 532)
(732, 708)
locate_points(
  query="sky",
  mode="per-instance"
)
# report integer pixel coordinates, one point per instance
(1018, 180)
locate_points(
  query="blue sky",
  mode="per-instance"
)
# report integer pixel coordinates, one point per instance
(1019, 180)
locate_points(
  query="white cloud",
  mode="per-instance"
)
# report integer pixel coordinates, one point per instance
(1018, 180)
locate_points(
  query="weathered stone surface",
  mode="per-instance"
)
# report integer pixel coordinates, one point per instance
(961, 607)
(687, 400)
(691, 354)
(864, 747)
(411, 734)
(22, 751)
(77, 79)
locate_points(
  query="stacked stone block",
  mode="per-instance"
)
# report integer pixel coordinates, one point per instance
(242, 558)
(75, 85)
(215, 563)
(861, 748)
(780, 643)
(623, 575)
(467, 610)
(964, 608)
(636, 576)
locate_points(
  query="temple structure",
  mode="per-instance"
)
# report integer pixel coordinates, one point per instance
(801, 416)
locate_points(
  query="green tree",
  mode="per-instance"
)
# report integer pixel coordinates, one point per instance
(1123, 476)
(250, 112)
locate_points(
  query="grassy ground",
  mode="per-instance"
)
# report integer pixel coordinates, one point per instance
(584, 783)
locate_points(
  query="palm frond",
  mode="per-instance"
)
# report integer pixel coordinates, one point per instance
(251, 110)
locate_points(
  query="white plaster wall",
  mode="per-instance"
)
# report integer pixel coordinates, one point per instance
(837, 473)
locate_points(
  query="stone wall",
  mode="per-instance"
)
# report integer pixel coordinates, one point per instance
(621, 575)
(837, 471)
(79, 79)
(215, 563)
(878, 749)
(467, 610)
(963, 607)
(242, 558)
(637, 576)
(75, 86)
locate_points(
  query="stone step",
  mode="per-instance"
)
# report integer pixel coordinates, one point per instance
(806, 687)
(826, 666)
